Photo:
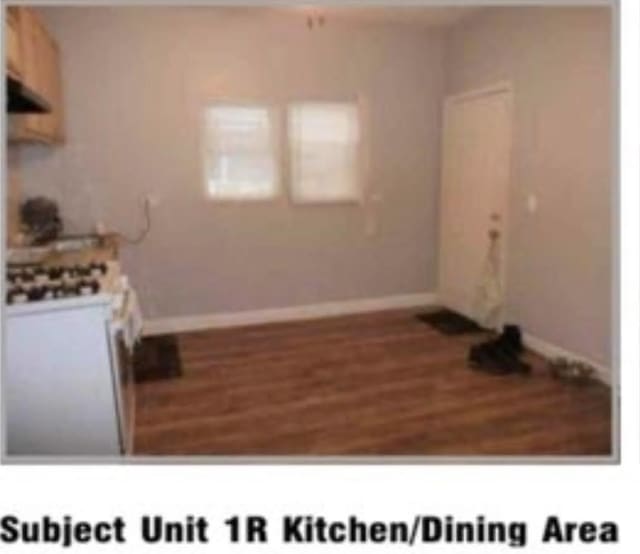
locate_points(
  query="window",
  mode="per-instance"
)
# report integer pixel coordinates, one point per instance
(241, 161)
(323, 151)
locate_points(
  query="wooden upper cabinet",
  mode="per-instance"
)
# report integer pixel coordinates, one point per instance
(51, 123)
(13, 47)
(29, 30)
(40, 72)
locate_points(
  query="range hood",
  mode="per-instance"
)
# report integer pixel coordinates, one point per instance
(22, 100)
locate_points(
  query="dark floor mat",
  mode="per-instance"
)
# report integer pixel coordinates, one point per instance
(449, 322)
(157, 358)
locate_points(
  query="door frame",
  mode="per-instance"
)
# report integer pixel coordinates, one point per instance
(499, 87)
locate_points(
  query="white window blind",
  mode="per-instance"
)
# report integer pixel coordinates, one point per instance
(240, 145)
(324, 151)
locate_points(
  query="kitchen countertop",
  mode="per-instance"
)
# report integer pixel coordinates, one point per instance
(63, 252)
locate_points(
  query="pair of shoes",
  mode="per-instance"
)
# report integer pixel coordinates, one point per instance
(500, 356)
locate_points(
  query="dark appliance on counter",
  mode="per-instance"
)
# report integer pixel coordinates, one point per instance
(40, 219)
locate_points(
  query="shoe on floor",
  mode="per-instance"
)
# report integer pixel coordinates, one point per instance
(501, 355)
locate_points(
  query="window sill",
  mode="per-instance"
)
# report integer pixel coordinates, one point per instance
(350, 202)
(243, 201)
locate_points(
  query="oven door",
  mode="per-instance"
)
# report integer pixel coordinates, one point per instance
(124, 386)
(126, 327)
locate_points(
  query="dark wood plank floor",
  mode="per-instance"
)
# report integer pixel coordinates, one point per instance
(370, 384)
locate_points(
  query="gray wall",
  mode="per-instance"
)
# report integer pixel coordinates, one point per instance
(559, 61)
(134, 80)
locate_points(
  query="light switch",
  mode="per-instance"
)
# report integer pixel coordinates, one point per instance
(532, 203)
(152, 200)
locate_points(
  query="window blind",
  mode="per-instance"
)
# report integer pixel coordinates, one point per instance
(323, 151)
(240, 152)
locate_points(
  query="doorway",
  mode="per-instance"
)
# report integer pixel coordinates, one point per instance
(473, 203)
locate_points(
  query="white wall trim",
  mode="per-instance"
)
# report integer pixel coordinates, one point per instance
(180, 324)
(549, 350)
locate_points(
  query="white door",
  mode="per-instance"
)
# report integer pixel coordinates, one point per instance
(473, 199)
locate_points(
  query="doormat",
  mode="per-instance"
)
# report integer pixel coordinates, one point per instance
(156, 358)
(449, 322)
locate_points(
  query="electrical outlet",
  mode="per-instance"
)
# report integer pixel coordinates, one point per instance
(532, 203)
(152, 199)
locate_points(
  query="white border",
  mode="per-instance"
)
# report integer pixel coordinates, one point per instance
(629, 230)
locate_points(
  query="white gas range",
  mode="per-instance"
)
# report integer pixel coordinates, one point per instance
(69, 376)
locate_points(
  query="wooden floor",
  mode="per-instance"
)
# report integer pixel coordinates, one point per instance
(371, 384)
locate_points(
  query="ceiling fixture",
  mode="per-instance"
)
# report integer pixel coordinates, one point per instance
(318, 21)
(314, 17)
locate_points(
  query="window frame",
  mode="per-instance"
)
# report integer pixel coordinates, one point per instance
(279, 118)
(274, 110)
(361, 153)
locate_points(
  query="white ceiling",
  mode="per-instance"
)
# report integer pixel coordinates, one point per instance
(415, 15)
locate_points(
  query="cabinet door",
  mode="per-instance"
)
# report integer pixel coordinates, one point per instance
(51, 124)
(29, 126)
(45, 122)
(41, 73)
(57, 95)
(14, 57)
(28, 33)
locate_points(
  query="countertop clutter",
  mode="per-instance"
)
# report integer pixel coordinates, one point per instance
(76, 250)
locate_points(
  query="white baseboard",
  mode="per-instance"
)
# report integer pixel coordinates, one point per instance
(549, 350)
(292, 313)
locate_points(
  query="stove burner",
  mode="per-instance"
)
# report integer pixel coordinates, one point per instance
(82, 270)
(20, 276)
(41, 276)
(88, 287)
(35, 293)
(69, 291)
(17, 295)
(48, 293)
(96, 269)
(54, 273)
